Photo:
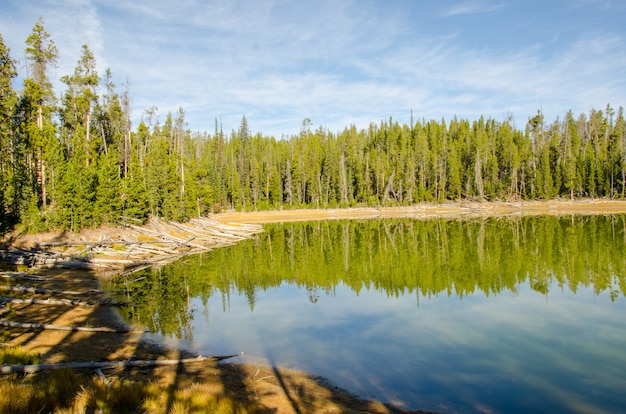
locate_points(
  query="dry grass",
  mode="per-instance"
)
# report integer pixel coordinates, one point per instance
(197, 388)
(66, 391)
(12, 355)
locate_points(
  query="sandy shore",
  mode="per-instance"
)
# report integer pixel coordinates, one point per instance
(427, 210)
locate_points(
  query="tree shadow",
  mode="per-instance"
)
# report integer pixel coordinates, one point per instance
(234, 379)
(307, 393)
(31, 312)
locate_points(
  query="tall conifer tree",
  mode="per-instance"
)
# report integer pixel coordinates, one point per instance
(38, 103)
(8, 178)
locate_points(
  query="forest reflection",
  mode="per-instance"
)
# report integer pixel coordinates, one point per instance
(394, 256)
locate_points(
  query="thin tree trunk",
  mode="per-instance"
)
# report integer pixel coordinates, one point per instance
(182, 180)
(388, 187)
(478, 177)
(344, 177)
(87, 138)
(40, 118)
(288, 184)
(41, 167)
(43, 184)
(104, 140)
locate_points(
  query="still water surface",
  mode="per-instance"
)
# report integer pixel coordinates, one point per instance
(497, 315)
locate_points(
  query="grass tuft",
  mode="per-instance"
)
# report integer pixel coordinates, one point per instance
(115, 397)
(65, 391)
(17, 356)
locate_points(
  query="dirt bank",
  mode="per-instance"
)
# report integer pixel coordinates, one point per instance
(427, 210)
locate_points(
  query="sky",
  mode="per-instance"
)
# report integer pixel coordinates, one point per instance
(339, 62)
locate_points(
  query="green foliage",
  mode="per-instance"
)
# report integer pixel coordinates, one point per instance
(8, 177)
(134, 195)
(108, 201)
(393, 256)
(90, 168)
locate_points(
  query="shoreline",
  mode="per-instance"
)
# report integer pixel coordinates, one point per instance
(248, 379)
(461, 209)
(128, 247)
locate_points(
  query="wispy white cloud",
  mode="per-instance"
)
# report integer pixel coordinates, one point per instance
(473, 7)
(337, 63)
(71, 24)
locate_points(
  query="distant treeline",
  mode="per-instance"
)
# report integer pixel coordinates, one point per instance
(75, 160)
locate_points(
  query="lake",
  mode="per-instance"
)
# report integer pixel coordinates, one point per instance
(503, 315)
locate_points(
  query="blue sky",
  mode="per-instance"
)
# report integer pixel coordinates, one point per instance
(340, 62)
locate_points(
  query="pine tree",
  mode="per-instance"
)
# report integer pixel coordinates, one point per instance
(78, 102)
(508, 161)
(454, 189)
(76, 192)
(135, 203)
(619, 151)
(8, 162)
(570, 153)
(38, 103)
(108, 201)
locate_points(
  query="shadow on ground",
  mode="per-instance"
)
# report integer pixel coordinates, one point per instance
(261, 389)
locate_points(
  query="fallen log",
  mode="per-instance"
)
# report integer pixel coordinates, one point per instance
(43, 326)
(103, 377)
(30, 369)
(32, 301)
(109, 243)
(150, 249)
(143, 230)
(68, 243)
(30, 289)
(61, 302)
(21, 275)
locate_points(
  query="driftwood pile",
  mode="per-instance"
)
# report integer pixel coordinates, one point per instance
(25, 296)
(130, 246)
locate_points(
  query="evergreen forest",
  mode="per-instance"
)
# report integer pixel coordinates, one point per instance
(75, 160)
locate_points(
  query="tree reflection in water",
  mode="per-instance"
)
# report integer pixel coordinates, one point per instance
(424, 258)
(506, 308)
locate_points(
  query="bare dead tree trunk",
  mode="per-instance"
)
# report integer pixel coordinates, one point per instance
(343, 177)
(87, 123)
(478, 177)
(288, 184)
(29, 369)
(41, 167)
(43, 326)
(388, 187)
